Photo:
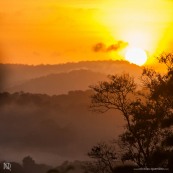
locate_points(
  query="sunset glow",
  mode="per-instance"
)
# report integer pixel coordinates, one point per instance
(64, 61)
(51, 32)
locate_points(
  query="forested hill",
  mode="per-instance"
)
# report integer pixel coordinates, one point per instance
(61, 83)
(12, 75)
(53, 128)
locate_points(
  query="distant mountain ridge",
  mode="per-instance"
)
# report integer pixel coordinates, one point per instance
(62, 83)
(14, 77)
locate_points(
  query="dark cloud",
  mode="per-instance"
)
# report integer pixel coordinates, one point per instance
(101, 47)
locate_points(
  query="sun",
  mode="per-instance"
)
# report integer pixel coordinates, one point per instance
(136, 56)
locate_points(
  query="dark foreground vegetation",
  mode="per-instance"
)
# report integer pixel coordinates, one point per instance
(147, 141)
(28, 165)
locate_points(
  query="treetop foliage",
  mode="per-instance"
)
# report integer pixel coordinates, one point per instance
(147, 110)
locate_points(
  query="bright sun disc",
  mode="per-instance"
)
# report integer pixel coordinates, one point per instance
(136, 56)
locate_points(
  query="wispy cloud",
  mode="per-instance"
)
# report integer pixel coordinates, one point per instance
(101, 47)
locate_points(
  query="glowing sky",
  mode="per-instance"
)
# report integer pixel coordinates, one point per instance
(55, 31)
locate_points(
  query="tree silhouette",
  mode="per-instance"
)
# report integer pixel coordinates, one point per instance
(29, 164)
(65, 167)
(104, 156)
(145, 109)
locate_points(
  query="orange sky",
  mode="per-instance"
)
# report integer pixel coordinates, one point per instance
(55, 31)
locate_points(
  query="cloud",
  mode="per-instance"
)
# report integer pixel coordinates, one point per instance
(101, 47)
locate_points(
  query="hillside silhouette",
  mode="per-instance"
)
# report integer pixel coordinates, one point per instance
(29, 165)
(13, 75)
(52, 128)
(61, 83)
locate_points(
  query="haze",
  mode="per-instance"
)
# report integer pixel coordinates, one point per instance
(54, 31)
